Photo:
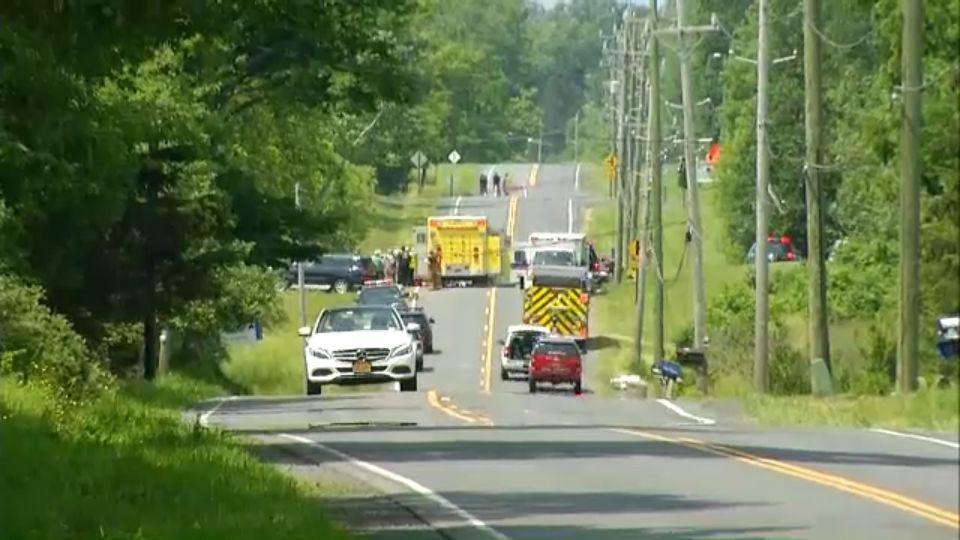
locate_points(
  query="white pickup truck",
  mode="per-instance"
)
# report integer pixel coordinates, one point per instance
(360, 345)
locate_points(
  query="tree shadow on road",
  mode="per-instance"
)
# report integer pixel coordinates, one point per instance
(459, 447)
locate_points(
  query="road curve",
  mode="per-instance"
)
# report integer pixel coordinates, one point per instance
(481, 458)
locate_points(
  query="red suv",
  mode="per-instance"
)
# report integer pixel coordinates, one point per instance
(556, 360)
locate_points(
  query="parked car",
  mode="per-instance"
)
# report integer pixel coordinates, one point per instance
(556, 360)
(517, 348)
(778, 250)
(341, 272)
(382, 295)
(419, 316)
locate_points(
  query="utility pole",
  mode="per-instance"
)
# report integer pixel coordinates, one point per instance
(911, 124)
(816, 267)
(576, 137)
(656, 184)
(540, 144)
(621, 163)
(689, 140)
(761, 316)
(301, 289)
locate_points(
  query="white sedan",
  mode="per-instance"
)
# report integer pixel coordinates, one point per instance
(360, 345)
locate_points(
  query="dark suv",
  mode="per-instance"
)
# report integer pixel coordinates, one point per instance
(339, 271)
(417, 315)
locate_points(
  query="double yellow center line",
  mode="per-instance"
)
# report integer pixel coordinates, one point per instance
(907, 504)
(444, 406)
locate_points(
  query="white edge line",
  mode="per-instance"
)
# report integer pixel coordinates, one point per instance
(949, 444)
(569, 215)
(412, 485)
(205, 417)
(456, 204)
(576, 179)
(677, 409)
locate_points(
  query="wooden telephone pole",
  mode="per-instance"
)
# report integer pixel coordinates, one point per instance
(817, 284)
(689, 140)
(761, 316)
(908, 344)
(656, 185)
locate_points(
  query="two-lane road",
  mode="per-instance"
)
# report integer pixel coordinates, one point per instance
(497, 462)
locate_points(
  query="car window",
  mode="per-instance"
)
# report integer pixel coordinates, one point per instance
(418, 318)
(380, 295)
(553, 258)
(557, 347)
(522, 343)
(355, 320)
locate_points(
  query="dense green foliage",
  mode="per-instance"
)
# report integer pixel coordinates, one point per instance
(861, 44)
(147, 177)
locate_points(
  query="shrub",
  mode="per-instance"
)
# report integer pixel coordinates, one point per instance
(40, 346)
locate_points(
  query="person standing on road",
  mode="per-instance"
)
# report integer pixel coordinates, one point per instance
(506, 183)
(412, 270)
(496, 184)
(483, 183)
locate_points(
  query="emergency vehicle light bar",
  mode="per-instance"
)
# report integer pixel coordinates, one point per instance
(377, 282)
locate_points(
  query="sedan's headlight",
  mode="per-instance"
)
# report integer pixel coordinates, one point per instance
(319, 353)
(402, 350)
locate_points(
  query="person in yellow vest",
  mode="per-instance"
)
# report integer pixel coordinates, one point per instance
(412, 272)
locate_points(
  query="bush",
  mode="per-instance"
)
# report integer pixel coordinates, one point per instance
(40, 346)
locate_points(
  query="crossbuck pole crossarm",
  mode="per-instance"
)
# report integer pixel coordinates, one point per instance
(703, 29)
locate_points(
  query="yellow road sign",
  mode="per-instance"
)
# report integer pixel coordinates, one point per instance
(610, 164)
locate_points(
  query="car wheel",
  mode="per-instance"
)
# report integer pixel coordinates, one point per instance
(428, 349)
(532, 385)
(577, 389)
(504, 376)
(313, 388)
(420, 365)
(408, 385)
(341, 286)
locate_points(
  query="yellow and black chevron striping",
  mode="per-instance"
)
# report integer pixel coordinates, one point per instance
(562, 310)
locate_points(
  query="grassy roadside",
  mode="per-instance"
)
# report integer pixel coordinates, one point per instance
(274, 365)
(615, 311)
(931, 409)
(126, 466)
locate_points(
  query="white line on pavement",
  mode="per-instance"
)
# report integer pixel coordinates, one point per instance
(677, 409)
(941, 442)
(576, 179)
(456, 205)
(569, 215)
(205, 417)
(403, 481)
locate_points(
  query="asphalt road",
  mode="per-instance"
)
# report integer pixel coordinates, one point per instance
(477, 457)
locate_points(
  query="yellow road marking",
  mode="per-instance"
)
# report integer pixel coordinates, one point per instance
(889, 498)
(488, 356)
(533, 175)
(456, 412)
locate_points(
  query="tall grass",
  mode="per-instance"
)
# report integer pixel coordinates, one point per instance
(125, 466)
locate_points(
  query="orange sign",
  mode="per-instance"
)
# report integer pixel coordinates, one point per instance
(713, 154)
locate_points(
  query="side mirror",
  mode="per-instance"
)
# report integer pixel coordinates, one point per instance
(501, 342)
(304, 331)
(413, 328)
(432, 321)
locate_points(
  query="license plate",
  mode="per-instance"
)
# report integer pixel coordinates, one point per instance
(361, 367)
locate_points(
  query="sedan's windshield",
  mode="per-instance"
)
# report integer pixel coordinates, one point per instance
(553, 258)
(379, 295)
(358, 319)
